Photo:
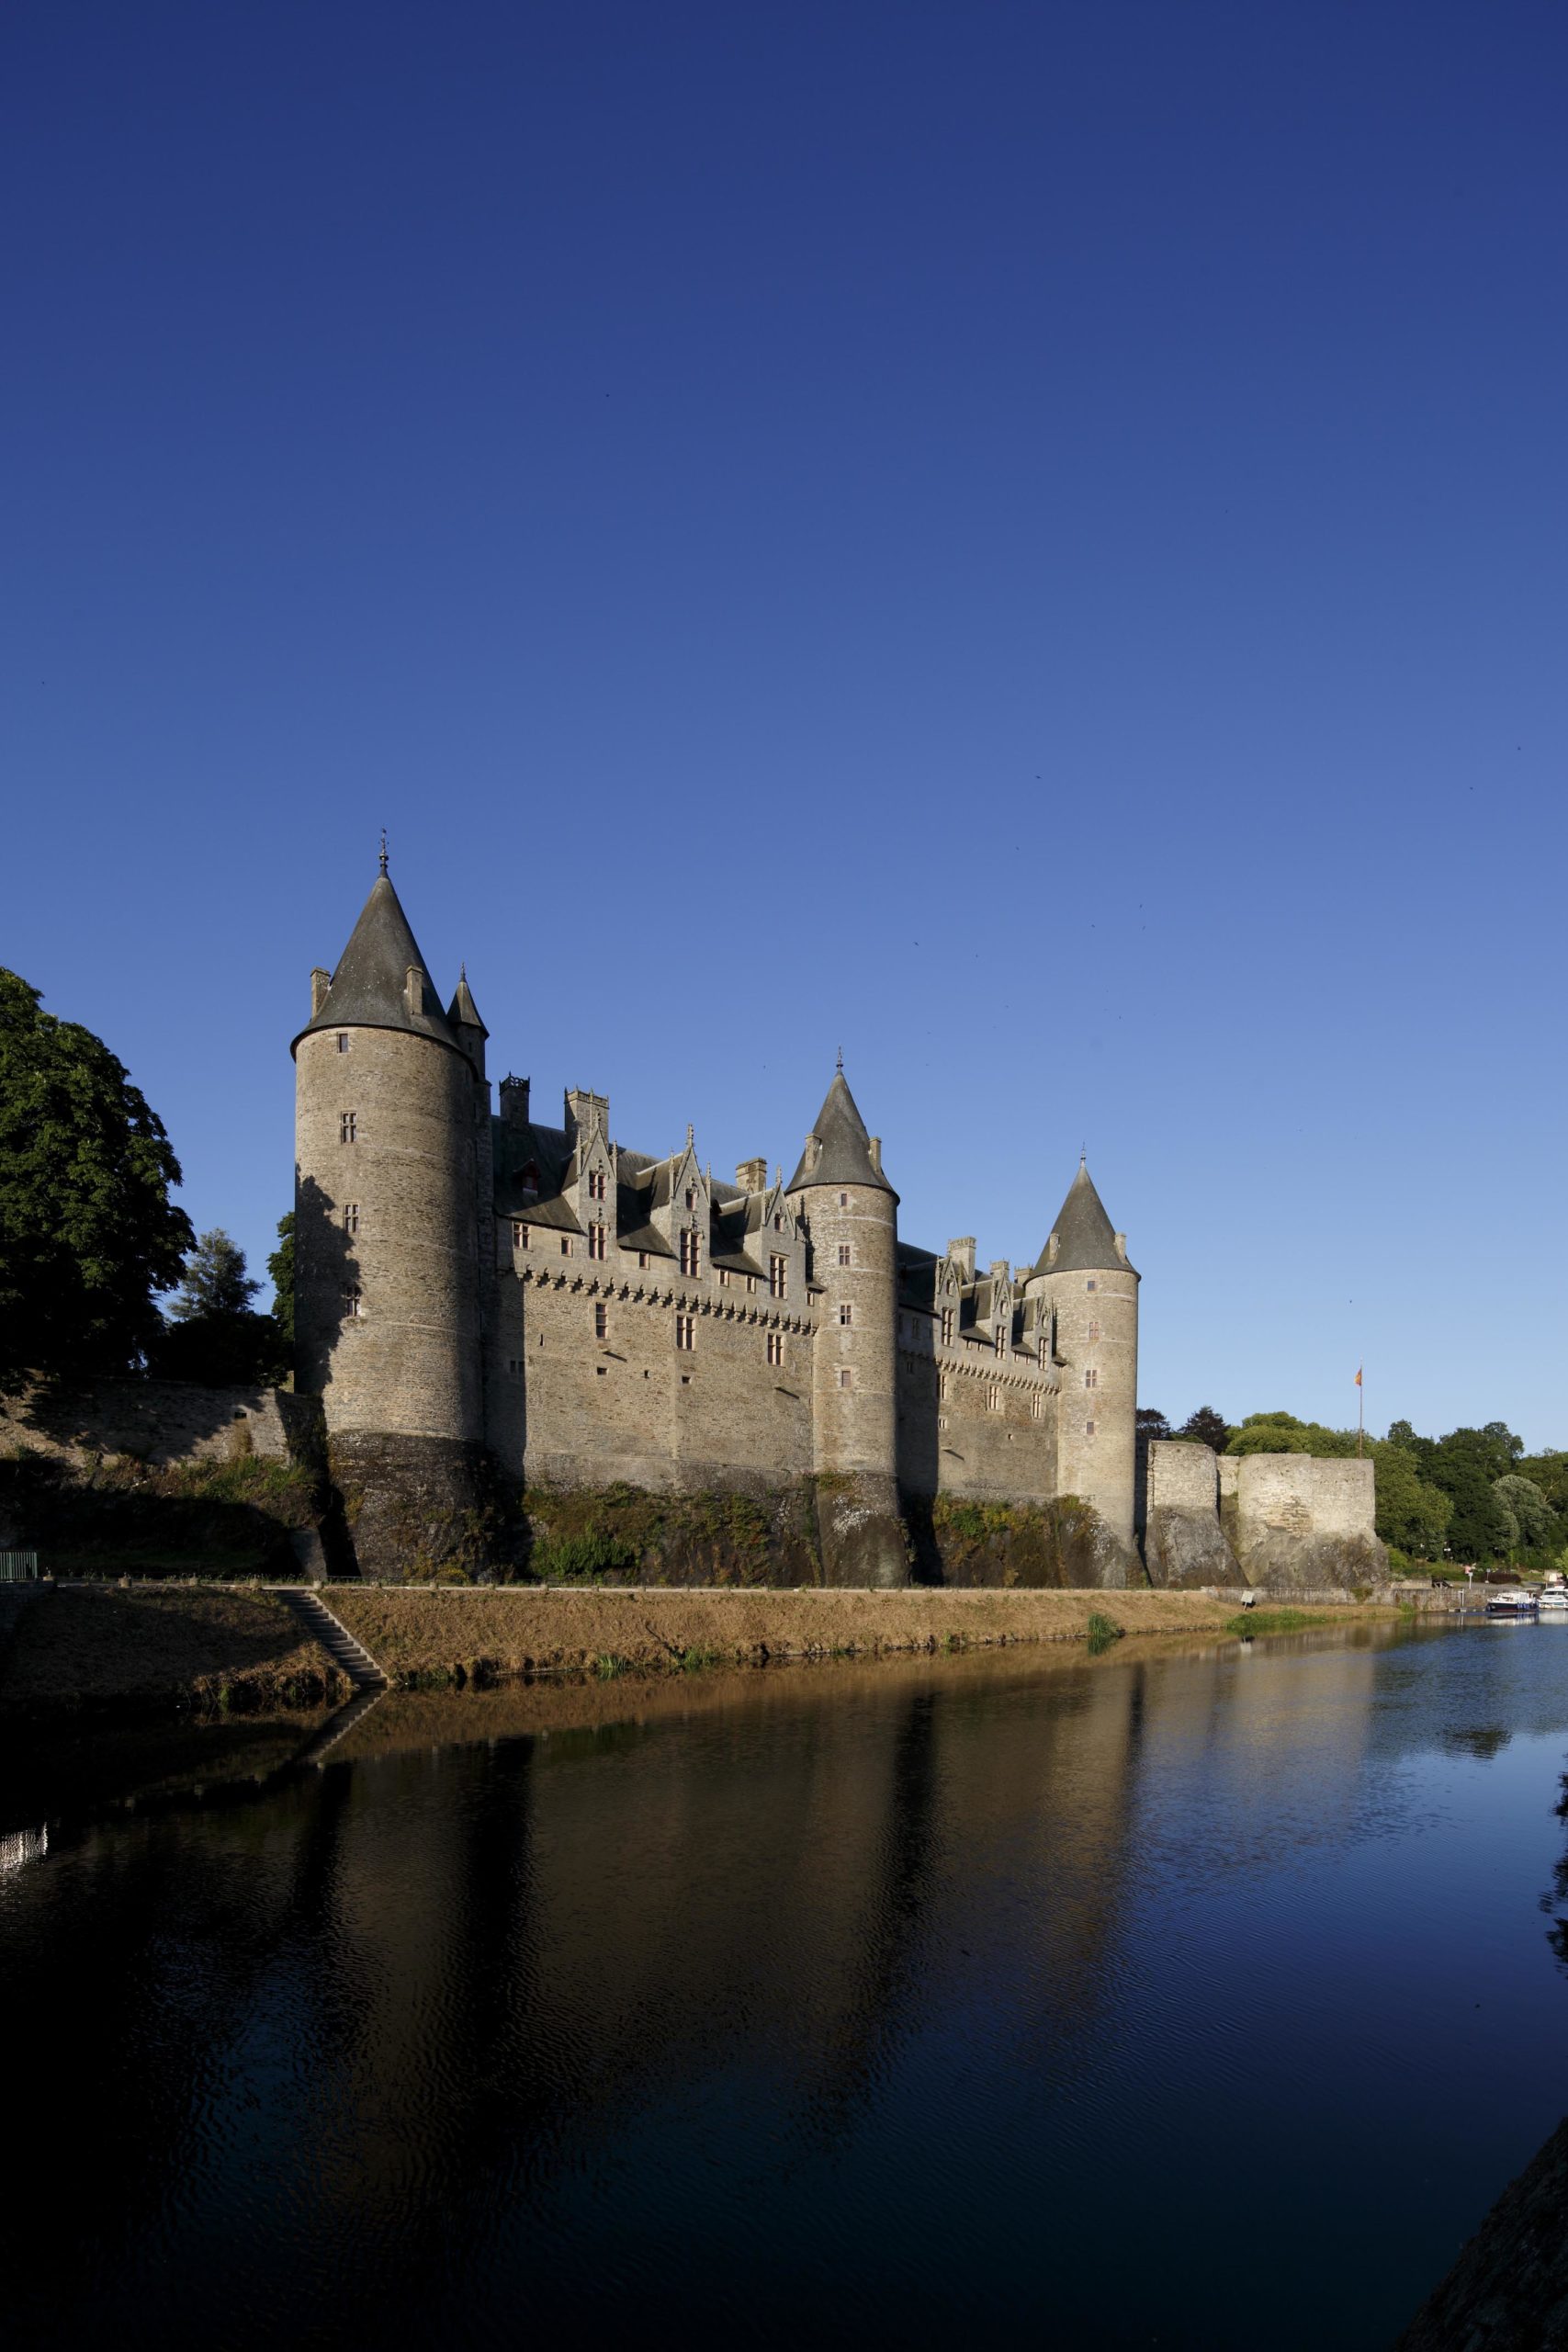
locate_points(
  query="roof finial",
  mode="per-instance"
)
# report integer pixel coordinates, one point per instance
(840, 1061)
(691, 1135)
(383, 849)
(1083, 1155)
(463, 972)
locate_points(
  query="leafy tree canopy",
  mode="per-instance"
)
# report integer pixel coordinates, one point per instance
(215, 1281)
(217, 1337)
(1530, 1519)
(1207, 1427)
(88, 1233)
(280, 1267)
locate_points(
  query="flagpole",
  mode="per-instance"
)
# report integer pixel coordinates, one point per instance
(1360, 1411)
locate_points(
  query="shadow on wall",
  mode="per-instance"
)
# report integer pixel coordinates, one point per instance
(326, 1280)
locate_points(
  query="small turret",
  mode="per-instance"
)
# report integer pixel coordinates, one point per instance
(850, 1213)
(1087, 1294)
(463, 1020)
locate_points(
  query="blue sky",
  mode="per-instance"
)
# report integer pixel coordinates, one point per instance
(1027, 541)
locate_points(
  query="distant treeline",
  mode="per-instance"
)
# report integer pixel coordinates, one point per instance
(1472, 1495)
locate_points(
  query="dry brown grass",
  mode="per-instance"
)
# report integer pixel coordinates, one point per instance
(487, 1630)
(176, 1644)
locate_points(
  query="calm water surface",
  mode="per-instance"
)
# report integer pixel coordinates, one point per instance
(1195, 1999)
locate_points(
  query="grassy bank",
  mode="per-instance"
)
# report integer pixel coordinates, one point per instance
(194, 1646)
(233, 1650)
(486, 1634)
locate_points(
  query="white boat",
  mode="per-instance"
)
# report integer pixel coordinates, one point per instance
(1512, 1600)
(1555, 1596)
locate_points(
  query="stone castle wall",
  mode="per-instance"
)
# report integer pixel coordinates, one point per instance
(389, 1216)
(1289, 1522)
(1097, 1339)
(159, 1422)
(975, 1430)
(570, 1407)
(1299, 1521)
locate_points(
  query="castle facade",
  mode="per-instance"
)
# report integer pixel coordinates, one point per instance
(472, 1280)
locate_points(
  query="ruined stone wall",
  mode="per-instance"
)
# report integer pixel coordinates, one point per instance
(156, 1421)
(1300, 1521)
(1184, 1545)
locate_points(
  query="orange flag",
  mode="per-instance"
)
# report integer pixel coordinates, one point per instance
(1358, 1375)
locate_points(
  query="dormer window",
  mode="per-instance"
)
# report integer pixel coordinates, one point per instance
(690, 1251)
(691, 1196)
(528, 1180)
(597, 1241)
(596, 1184)
(947, 1327)
(778, 1224)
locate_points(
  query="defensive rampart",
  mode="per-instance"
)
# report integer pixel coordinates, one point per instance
(1289, 1522)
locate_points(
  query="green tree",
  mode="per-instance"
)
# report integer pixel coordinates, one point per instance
(88, 1233)
(1531, 1521)
(217, 1337)
(1464, 1464)
(1207, 1427)
(1409, 1512)
(280, 1267)
(214, 1281)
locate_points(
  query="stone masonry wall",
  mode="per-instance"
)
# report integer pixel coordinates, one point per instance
(975, 1430)
(1184, 1545)
(156, 1421)
(571, 1408)
(1300, 1521)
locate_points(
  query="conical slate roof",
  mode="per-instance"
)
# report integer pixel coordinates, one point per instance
(845, 1157)
(368, 985)
(463, 1011)
(1086, 1239)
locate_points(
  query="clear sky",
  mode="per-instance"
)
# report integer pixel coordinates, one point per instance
(1029, 541)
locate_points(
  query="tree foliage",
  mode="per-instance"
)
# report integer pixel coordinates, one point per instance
(1206, 1428)
(1530, 1519)
(217, 1337)
(280, 1268)
(88, 1233)
(214, 1281)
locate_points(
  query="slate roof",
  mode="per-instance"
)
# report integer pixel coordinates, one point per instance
(845, 1157)
(1086, 1239)
(367, 988)
(463, 1009)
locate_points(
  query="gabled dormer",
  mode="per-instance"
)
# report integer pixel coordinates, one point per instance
(681, 1210)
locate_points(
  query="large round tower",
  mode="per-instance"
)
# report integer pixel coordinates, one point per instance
(1089, 1291)
(385, 1298)
(850, 1213)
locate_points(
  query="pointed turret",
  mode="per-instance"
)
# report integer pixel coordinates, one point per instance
(391, 1157)
(1082, 1240)
(382, 980)
(839, 1150)
(850, 1212)
(1086, 1292)
(463, 1020)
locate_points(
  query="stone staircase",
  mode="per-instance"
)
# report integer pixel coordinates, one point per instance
(350, 1655)
(320, 1747)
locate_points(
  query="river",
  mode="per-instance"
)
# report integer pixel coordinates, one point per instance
(1190, 1996)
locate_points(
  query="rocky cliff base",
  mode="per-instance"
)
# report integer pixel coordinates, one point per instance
(1509, 2291)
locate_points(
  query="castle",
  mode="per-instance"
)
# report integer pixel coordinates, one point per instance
(472, 1283)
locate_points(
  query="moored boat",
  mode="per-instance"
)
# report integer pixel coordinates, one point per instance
(1512, 1600)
